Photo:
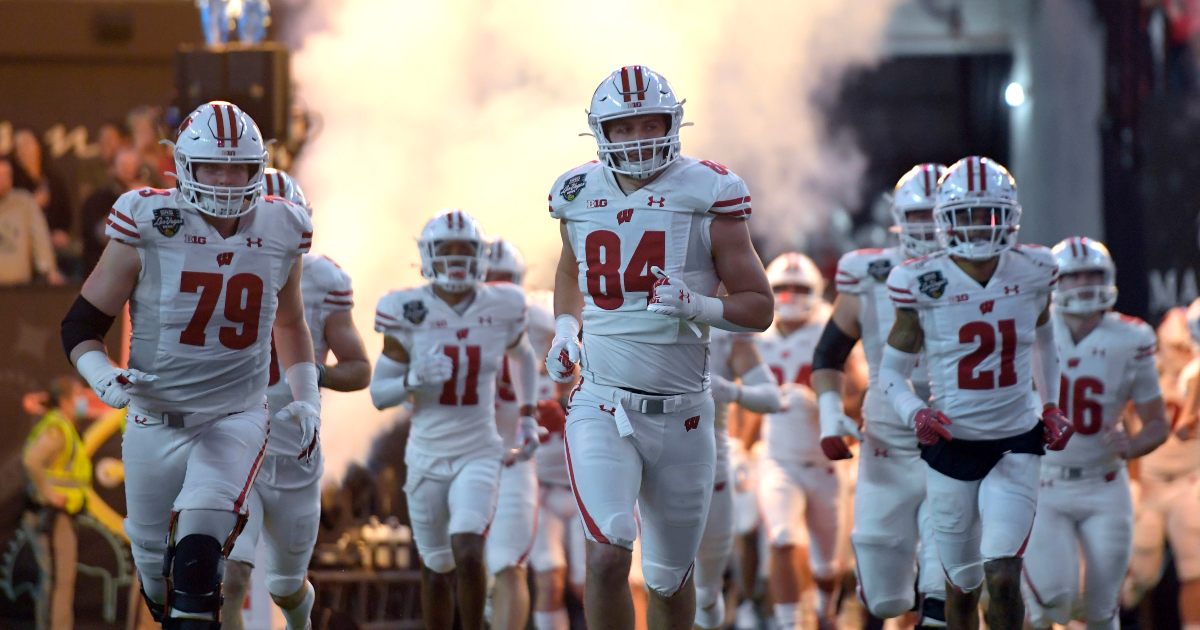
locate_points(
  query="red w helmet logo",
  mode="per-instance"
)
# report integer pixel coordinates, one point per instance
(625, 216)
(691, 423)
(226, 122)
(633, 83)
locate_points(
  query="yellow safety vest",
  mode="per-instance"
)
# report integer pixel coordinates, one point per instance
(71, 472)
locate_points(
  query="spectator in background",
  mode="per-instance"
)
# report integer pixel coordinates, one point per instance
(126, 172)
(59, 472)
(34, 173)
(145, 129)
(95, 172)
(24, 237)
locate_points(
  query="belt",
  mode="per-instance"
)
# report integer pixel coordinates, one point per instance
(647, 403)
(174, 419)
(1075, 473)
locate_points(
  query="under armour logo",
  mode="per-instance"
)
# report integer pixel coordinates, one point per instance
(224, 258)
(253, 242)
(684, 296)
(486, 320)
(1098, 352)
(881, 452)
(986, 307)
(660, 201)
(462, 333)
(1016, 288)
(612, 411)
(691, 423)
(625, 216)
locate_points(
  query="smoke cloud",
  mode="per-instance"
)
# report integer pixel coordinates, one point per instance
(476, 104)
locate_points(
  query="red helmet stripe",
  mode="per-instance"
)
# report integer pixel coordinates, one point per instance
(233, 126)
(220, 124)
(625, 83)
(982, 176)
(641, 84)
(970, 174)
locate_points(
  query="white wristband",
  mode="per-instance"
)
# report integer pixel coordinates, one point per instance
(830, 405)
(302, 379)
(93, 366)
(566, 326)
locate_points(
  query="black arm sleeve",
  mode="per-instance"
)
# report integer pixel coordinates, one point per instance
(84, 322)
(833, 348)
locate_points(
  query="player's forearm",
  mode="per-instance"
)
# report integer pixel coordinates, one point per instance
(1046, 375)
(293, 342)
(894, 370)
(1155, 428)
(347, 376)
(568, 300)
(388, 386)
(747, 311)
(525, 363)
(759, 392)
(827, 380)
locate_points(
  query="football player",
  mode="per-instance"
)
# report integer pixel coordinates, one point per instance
(647, 235)
(1084, 501)
(1167, 507)
(444, 345)
(890, 490)
(980, 310)
(738, 376)
(510, 537)
(207, 269)
(285, 501)
(797, 484)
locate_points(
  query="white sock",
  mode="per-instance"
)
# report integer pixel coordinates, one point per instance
(746, 617)
(787, 616)
(297, 618)
(553, 620)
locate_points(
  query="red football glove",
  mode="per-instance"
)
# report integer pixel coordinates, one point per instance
(552, 416)
(1058, 429)
(835, 448)
(931, 427)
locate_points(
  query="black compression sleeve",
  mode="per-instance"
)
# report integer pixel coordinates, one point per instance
(84, 322)
(833, 348)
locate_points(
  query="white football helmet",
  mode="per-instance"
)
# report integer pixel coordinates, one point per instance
(504, 257)
(790, 270)
(453, 272)
(219, 132)
(1078, 254)
(916, 191)
(977, 213)
(277, 183)
(633, 91)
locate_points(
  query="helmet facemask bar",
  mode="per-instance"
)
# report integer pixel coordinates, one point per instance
(1088, 298)
(792, 305)
(917, 238)
(453, 272)
(617, 156)
(979, 230)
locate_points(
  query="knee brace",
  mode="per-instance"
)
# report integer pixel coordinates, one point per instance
(438, 561)
(193, 567)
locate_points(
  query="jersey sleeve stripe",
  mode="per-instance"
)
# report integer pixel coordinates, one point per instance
(382, 315)
(339, 302)
(900, 300)
(117, 213)
(735, 214)
(306, 235)
(847, 281)
(351, 292)
(899, 290)
(732, 202)
(113, 225)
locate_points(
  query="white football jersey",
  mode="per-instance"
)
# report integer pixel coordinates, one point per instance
(459, 416)
(864, 273)
(326, 289)
(794, 433)
(979, 339)
(617, 238)
(203, 305)
(1175, 457)
(1112, 365)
